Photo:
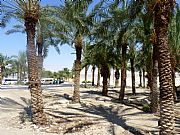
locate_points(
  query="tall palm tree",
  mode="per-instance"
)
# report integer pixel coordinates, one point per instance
(117, 75)
(132, 55)
(22, 62)
(98, 77)
(162, 10)
(123, 72)
(19, 65)
(174, 43)
(76, 19)
(44, 37)
(93, 72)
(103, 56)
(86, 61)
(29, 12)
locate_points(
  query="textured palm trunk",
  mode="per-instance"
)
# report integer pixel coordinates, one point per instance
(98, 78)
(140, 78)
(174, 85)
(144, 78)
(123, 72)
(133, 75)
(117, 74)
(93, 71)
(1, 74)
(38, 115)
(86, 70)
(78, 46)
(40, 55)
(18, 74)
(173, 64)
(149, 78)
(161, 19)
(154, 88)
(24, 73)
(105, 75)
(105, 85)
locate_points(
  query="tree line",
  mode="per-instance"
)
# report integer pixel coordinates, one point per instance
(105, 35)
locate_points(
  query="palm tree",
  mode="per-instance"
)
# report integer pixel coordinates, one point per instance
(4, 61)
(132, 55)
(19, 65)
(123, 72)
(75, 19)
(117, 74)
(174, 44)
(162, 10)
(29, 12)
(44, 37)
(86, 61)
(98, 77)
(104, 57)
(93, 72)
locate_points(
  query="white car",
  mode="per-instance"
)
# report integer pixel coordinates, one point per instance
(9, 81)
(47, 80)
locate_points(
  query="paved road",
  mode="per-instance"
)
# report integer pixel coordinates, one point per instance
(46, 87)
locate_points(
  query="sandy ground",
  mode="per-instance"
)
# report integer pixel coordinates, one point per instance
(96, 115)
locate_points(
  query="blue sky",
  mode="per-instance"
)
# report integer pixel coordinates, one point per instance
(12, 44)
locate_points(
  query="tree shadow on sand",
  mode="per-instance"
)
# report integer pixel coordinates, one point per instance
(26, 114)
(98, 112)
(109, 114)
(8, 104)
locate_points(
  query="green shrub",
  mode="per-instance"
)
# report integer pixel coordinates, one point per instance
(146, 108)
(86, 81)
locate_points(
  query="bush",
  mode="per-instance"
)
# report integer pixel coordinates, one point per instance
(146, 108)
(86, 81)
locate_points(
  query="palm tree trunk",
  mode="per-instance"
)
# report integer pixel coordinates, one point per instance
(20, 75)
(98, 78)
(93, 71)
(1, 74)
(38, 115)
(78, 46)
(40, 55)
(140, 78)
(86, 70)
(149, 77)
(173, 64)
(105, 75)
(133, 75)
(174, 85)
(24, 73)
(76, 94)
(143, 78)
(161, 19)
(117, 74)
(123, 72)
(154, 89)
(105, 85)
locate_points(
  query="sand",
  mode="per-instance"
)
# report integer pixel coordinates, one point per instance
(96, 115)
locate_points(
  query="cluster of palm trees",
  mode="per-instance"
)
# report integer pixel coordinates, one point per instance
(106, 35)
(13, 66)
(65, 74)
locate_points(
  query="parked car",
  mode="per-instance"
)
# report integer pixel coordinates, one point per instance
(8, 81)
(47, 80)
(58, 81)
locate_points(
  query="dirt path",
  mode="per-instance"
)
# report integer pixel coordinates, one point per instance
(96, 115)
